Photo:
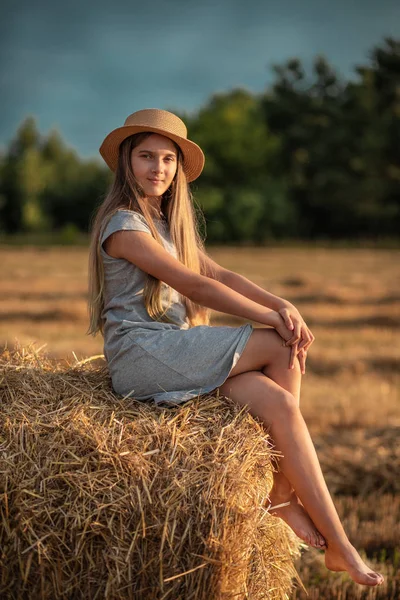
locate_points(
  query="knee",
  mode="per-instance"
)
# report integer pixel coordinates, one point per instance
(281, 353)
(280, 358)
(286, 404)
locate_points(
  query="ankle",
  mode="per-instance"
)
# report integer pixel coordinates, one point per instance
(281, 492)
(340, 546)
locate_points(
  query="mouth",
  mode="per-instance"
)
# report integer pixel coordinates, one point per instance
(156, 180)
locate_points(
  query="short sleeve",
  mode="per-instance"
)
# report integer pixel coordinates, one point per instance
(124, 220)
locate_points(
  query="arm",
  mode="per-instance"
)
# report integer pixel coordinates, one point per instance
(142, 250)
(212, 269)
(249, 289)
(218, 296)
(241, 284)
(301, 338)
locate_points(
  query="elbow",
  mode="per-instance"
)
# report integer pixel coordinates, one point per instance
(224, 276)
(198, 290)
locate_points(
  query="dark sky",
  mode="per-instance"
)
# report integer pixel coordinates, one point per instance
(82, 66)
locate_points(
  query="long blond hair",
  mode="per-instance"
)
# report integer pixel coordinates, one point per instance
(177, 205)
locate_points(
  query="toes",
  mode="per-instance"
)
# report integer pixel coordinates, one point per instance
(312, 539)
(319, 541)
(376, 578)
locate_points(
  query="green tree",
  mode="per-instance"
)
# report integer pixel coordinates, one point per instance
(376, 129)
(241, 159)
(20, 183)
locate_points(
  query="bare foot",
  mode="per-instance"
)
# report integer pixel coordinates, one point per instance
(296, 516)
(348, 559)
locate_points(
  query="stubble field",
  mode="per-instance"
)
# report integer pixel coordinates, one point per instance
(350, 394)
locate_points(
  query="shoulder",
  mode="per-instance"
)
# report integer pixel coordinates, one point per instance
(128, 216)
(122, 220)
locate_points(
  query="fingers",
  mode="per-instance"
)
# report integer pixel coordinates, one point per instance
(294, 344)
(296, 337)
(283, 330)
(287, 319)
(307, 339)
(304, 339)
(302, 356)
(301, 338)
(293, 354)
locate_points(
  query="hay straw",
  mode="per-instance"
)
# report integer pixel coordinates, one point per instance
(110, 498)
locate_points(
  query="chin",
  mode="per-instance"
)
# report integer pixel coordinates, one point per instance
(153, 191)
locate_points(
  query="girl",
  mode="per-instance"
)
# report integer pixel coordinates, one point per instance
(151, 288)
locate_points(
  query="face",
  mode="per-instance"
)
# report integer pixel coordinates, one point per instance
(154, 163)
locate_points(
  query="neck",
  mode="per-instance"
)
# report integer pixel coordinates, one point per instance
(154, 203)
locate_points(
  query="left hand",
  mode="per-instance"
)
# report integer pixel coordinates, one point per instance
(302, 337)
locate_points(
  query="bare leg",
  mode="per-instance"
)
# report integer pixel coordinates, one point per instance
(278, 410)
(282, 492)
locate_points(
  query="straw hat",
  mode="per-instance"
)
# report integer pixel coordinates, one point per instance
(163, 123)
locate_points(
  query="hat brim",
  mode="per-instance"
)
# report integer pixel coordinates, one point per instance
(193, 157)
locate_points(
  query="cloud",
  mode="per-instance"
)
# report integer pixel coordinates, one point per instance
(84, 66)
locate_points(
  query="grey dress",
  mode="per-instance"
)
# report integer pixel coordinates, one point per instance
(147, 359)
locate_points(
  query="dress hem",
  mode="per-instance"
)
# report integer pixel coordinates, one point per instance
(184, 396)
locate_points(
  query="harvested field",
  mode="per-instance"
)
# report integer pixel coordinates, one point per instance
(350, 393)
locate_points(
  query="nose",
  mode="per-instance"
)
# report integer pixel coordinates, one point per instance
(157, 165)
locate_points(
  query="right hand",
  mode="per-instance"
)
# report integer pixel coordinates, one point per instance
(278, 323)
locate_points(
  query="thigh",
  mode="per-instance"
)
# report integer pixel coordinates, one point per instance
(264, 347)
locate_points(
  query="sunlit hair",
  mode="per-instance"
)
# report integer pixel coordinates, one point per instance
(125, 192)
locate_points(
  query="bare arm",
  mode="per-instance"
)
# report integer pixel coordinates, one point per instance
(250, 290)
(301, 338)
(220, 297)
(241, 284)
(142, 250)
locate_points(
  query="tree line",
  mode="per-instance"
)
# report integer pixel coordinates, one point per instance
(312, 157)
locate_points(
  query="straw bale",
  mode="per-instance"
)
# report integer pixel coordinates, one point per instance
(104, 497)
